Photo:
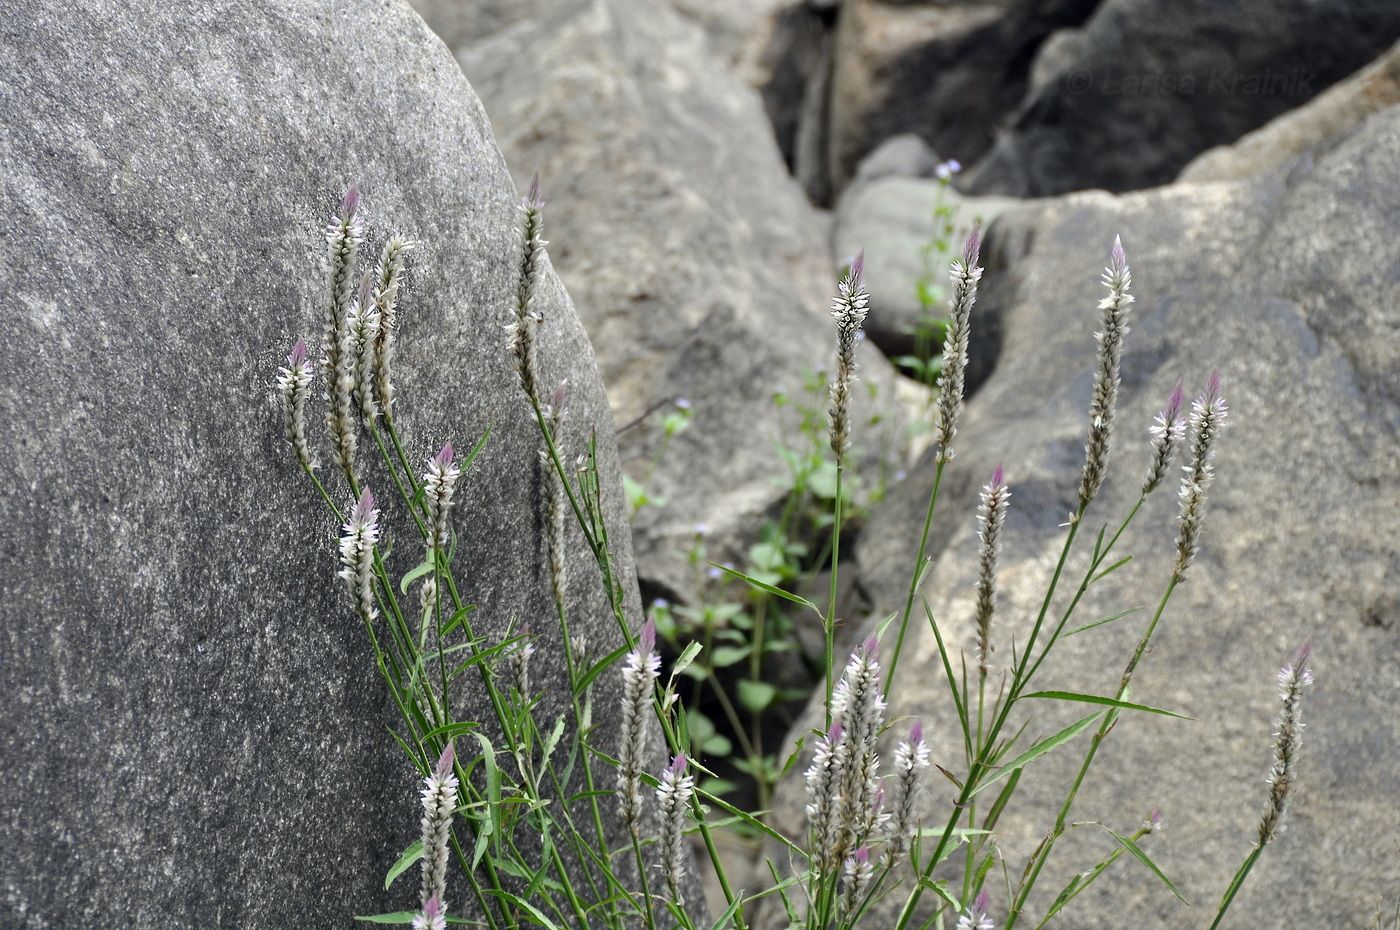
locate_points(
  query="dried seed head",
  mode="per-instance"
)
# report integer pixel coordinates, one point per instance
(1104, 400)
(965, 274)
(991, 515)
(522, 326)
(388, 275)
(1293, 679)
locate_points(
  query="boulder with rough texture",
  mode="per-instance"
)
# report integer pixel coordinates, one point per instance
(892, 218)
(947, 71)
(1147, 86)
(1284, 282)
(1329, 117)
(697, 265)
(194, 728)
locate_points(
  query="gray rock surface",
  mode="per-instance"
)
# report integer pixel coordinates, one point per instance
(1329, 117)
(892, 219)
(194, 729)
(1284, 281)
(697, 265)
(948, 71)
(1146, 87)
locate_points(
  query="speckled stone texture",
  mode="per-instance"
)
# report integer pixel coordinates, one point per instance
(193, 732)
(698, 267)
(1288, 283)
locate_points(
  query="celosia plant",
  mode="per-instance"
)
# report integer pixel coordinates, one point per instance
(865, 845)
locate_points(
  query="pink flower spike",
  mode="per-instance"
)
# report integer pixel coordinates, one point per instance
(871, 646)
(298, 356)
(857, 272)
(1118, 257)
(998, 478)
(678, 765)
(983, 903)
(916, 733)
(351, 203)
(445, 456)
(646, 645)
(1173, 408)
(432, 908)
(862, 855)
(972, 250)
(1301, 657)
(446, 760)
(532, 198)
(363, 506)
(366, 289)
(833, 735)
(1213, 386)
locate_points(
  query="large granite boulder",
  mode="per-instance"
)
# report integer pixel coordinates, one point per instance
(697, 265)
(194, 733)
(1284, 281)
(1329, 117)
(1144, 87)
(948, 71)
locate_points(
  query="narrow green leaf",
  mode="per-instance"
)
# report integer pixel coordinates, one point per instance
(1038, 750)
(493, 778)
(768, 588)
(728, 916)
(422, 568)
(398, 917)
(686, 657)
(1117, 616)
(476, 450)
(410, 855)
(1146, 860)
(1111, 569)
(603, 665)
(952, 682)
(1106, 701)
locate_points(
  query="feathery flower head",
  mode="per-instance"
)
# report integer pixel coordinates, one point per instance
(909, 759)
(972, 248)
(439, 489)
(446, 760)
(1208, 413)
(439, 796)
(978, 916)
(991, 516)
(823, 786)
(519, 658)
(1104, 399)
(858, 873)
(294, 386)
(357, 541)
(857, 700)
(673, 793)
(521, 327)
(387, 276)
(433, 917)
(1154, 822)
(965, 273)
(848, 308)
(351, 203)
(639, 673)
(1166, 430)
(362, 329)
(1293, 679)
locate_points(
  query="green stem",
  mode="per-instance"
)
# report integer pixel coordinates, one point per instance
(1236, 884)
(831, 598)
(916, 575)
